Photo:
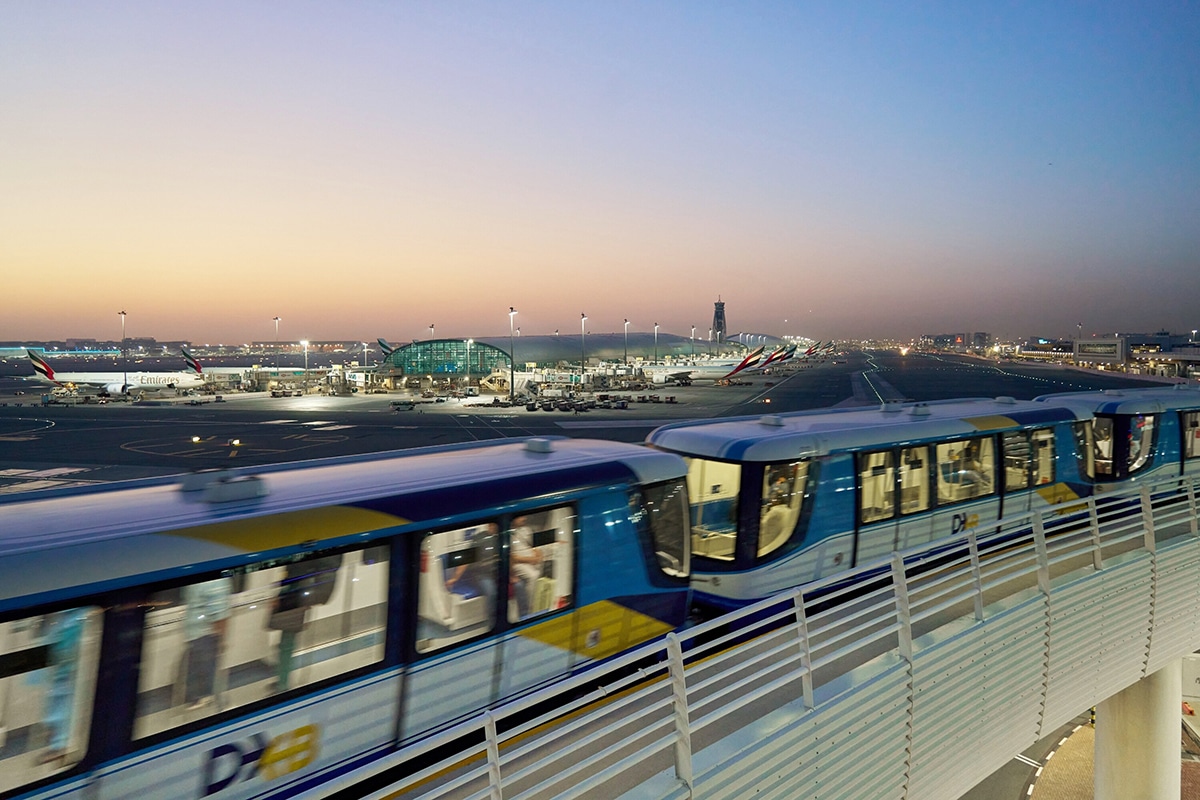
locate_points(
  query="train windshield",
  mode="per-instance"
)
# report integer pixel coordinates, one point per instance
(1123, 444)
(782, 497)
(713, 487)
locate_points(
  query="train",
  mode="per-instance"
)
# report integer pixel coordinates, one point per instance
(255, 635)
(1140, 435)
(779, 500)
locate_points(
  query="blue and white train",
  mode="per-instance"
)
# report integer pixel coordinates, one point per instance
(781, 500)
(1140, 435)
(253, 636)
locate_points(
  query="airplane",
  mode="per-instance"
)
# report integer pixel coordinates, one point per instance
(703, 370)
(107, 384)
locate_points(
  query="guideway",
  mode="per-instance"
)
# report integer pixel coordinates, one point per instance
(873, 690)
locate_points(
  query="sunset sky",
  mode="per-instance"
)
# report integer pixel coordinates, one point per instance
(828, 169)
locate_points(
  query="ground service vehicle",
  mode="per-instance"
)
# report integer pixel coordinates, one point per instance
(253, 635)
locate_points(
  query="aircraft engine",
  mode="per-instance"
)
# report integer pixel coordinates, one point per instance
(116, 388)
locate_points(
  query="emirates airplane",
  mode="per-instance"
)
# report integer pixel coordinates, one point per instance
(108, 384)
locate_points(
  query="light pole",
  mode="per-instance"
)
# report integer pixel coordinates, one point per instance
(693, 343)
(656, 343)
(277, 348)
(512, 355)
(124, 357)
(469, 343)
(582, 348)
(305, 343)
(366, 363)
(627, 343)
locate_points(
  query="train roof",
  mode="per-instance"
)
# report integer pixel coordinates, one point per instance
(1153, 400)
(802, 434)
(56, 539)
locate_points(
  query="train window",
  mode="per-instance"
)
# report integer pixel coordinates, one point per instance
(1016, 449)
(1028, 458)
(457, 588)
(1085, 453)
(877, 486)
(1042, 464)
(252, 633)
(914, 479)
(1191, 434)
(1141, 441)
(665, 510)
(965, 470)
(783, 494)
(47, 682)
(713, 487)
(541, 556)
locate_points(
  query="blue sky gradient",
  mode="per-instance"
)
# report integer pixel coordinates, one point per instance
(827, 169)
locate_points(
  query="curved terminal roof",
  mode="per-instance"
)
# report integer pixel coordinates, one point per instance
(439, 356)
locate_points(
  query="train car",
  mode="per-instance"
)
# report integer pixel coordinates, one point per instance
(255, 635)
(781, 500)
(1140, 434)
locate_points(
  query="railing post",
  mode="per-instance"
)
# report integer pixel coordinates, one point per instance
(683, 730)
(1148, 518)
(1043, 555)
(976, 573)
(806, 679)
(495, 789)
(1094, 521)
(903, 613)
(1191, 494)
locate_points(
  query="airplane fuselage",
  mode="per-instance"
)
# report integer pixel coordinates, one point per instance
(133, 382)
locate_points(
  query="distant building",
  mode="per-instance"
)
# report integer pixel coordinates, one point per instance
(718, 323)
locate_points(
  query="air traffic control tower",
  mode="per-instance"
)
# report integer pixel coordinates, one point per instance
(718, 326)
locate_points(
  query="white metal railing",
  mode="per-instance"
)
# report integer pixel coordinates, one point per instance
(916, 679)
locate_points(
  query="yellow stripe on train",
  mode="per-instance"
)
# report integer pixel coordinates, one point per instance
(291, 528)
(598, 630)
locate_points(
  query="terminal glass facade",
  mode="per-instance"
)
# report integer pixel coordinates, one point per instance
(448, 357)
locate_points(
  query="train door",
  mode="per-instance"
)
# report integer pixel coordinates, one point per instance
(877, 519)
(457, 619)
(914, 477)
(541, 566)
(967, 495)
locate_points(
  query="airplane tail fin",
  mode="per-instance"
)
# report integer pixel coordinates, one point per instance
(41, 367)
(192, 364)
(385, 347)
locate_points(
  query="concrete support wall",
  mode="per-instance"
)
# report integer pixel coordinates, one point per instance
(1137, 739)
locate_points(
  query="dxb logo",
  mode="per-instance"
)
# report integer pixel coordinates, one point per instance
(240, 761)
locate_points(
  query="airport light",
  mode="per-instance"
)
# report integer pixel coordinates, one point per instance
(305, 343)
(124, 357)
(276, 348)
(656, 343)
(512, 355)
(693, 343)
(582, 348)
(627, 343)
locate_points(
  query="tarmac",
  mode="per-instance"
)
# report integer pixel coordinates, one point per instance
(1067, 771)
